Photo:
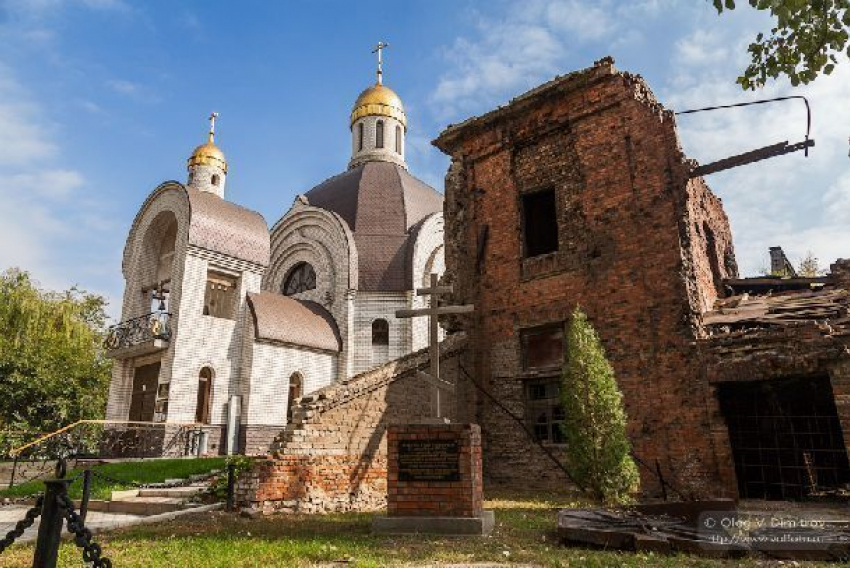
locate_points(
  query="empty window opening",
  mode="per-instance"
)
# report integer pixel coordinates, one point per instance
(360, 137)
(539, 223)
(713, 260)
(215, 179)
(301, 277)
(296, 391)
(542, 347)
(202, 409)
(220, 295)
(544, 412)
(398, 139)
(379, 134)
(786, 437)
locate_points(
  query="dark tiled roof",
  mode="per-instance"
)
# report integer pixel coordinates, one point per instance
(296, 322)
(381, 202)
(221, 226)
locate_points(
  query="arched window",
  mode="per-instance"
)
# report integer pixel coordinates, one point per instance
(360, 137)
(215, 179)
(398, 139)
(202, 410)
(380, 332)
(379, 134)
(296, 391)
(301, 278)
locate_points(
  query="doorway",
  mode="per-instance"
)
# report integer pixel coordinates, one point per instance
(786, 437)
(143, 398)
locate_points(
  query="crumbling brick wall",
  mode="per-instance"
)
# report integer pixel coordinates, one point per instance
(332, 457)
(632, 251)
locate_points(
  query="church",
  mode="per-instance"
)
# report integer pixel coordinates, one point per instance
(226, 323)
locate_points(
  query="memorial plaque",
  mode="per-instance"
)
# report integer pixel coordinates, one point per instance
(428, 460)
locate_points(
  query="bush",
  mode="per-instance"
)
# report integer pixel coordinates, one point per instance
(595, 423)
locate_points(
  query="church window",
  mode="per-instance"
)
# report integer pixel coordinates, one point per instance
(379, 134)
(398, 139)
(220, 295)
(539, 223)
(301, 278)
(360, 137)
(202, 410)
(215, 179)
(380, 332)
(296, 391)
(542, 347)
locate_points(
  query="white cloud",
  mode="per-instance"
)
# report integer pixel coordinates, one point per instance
(45, 214)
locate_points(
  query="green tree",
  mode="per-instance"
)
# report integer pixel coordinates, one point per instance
(52, 366)
(598, 449)
(807, 40)
(810, 266)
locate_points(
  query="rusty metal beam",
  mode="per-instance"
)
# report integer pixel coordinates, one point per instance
(750, 157)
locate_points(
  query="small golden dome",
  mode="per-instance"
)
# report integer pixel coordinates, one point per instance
(381, 101)
(208, 154)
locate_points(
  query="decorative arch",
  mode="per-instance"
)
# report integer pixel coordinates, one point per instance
(398, 139)
(360, 137)
(300, 278)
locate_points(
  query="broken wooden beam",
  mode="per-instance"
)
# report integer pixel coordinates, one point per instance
(750, 157)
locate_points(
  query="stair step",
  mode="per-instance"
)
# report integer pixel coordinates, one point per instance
(178, 492)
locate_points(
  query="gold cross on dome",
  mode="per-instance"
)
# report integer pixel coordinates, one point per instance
(213, 116)
(378, 49)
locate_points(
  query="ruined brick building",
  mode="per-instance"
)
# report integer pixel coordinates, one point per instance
(578, 193)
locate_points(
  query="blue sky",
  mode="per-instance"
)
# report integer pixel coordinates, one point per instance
(101, 100)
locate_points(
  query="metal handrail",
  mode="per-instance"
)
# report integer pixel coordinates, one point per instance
(16, 451)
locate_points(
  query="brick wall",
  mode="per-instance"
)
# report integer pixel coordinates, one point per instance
(632, 251)
(462, 498)
(332, 457)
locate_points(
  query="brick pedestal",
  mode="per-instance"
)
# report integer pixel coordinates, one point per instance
(434, 481)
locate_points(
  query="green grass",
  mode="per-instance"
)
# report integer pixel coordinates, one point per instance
(126, 475)
(525, 534)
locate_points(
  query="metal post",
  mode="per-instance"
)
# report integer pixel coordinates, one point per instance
(84, 504)
(14, 469)
(50, 528)
(231, 485)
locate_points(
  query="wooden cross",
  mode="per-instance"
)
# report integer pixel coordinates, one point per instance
(378, 49)
(433, 311)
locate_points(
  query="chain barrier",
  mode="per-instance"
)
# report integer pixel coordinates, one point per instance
(22, 525)
(82, 535)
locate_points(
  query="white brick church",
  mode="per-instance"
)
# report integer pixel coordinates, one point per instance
(227, 322)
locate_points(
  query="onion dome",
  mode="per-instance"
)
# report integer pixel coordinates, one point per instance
(379, 100)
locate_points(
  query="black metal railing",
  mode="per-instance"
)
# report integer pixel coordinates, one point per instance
(155, 325)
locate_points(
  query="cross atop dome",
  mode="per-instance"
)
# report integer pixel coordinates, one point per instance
(378, 49)
(207, 165)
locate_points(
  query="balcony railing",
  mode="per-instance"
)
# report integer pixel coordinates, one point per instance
(146, 329)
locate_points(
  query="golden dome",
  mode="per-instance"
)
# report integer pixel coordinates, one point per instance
(378, 100)
(209, 154)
